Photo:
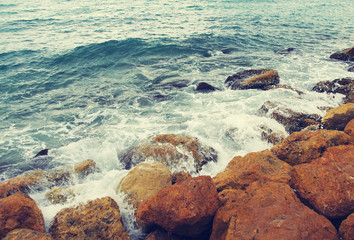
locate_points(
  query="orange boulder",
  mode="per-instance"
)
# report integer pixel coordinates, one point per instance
(303, 147)
(258, 166)
(19, 211)
(327, 183)
(185, 209)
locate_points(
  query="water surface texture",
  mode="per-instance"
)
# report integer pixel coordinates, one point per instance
(87, 79)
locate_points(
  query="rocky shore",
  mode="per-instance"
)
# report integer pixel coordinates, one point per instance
(301, 188)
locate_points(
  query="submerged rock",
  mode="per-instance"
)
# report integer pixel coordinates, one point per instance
(257, 166)
(292, 121)
(303, 147)
(185, 209)
(268, 211)
(327, 183)
(19, 211)
(144, 181)
(27, 234)
(271, 87)
(176, 151)
(59, 195)
(337, 118)
(346, 229)
(343, 86)
(205, 87)
(344, 55)
(38, 179)
(97, 219)
(253, 79)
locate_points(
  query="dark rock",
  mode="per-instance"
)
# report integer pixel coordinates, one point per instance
(185, 209)
(285, 51)
(43, 152)
(27, 234)
(253, 79)
(345, 55)
(268, 211)
(19, 211)
(205, 87)
(343, 86)
(292, 121)
(303, 147)
(327, 183)
(351, 68)
(98, 219)
(170, 149)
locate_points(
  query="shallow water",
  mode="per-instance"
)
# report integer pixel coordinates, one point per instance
(88, 79)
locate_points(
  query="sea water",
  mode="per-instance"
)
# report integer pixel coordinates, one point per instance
(88, 79)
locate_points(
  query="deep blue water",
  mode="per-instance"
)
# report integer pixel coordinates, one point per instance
(90, 78)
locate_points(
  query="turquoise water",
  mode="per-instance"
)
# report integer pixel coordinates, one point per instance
(88, 79)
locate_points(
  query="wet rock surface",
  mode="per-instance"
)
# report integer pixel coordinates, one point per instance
(98, 219)
(292, 121)
(344, 55)
(170, 149)
(144, 181)
(253, 79)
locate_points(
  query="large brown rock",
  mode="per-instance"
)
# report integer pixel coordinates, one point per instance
(344, 55)
(293, 121)
(346, 229)
(349, 129)
(144, 181)
(269, 211)
(170, 149)
(38, 179)
(98, 219)
(258, 166)
(185, 209)
(337, 118)
(253, 79)
(343, 86)
(327, 183)
(303, 147)
(27, 234)
(19, 211)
